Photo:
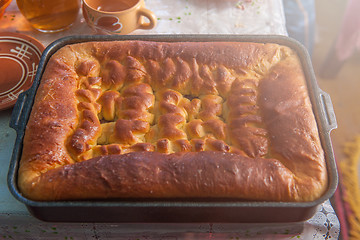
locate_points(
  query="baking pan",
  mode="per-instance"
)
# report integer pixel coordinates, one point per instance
(184, 210)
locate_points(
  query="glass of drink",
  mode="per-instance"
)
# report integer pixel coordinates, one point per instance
(50, 15)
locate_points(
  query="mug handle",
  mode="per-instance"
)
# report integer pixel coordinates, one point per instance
(143, 12)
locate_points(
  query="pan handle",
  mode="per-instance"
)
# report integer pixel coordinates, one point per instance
(17, 114)
(328, 111)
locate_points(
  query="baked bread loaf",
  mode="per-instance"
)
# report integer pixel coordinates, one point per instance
(142, 119)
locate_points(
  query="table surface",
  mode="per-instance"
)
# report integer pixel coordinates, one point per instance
(174, 17)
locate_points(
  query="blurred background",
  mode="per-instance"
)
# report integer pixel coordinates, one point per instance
(336, 61)
(343, 86)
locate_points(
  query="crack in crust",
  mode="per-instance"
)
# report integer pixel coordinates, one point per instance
(246, 101)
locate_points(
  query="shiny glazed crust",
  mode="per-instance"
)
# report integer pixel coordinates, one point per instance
(137, 119)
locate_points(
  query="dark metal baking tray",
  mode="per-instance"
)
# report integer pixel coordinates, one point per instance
(184, 210)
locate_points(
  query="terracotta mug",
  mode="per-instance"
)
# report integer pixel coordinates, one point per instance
(117, 16)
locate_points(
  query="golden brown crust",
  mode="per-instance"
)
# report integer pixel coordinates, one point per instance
(138, 119)
(156, 175)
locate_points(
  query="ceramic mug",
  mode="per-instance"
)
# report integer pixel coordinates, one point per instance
(117, 16)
